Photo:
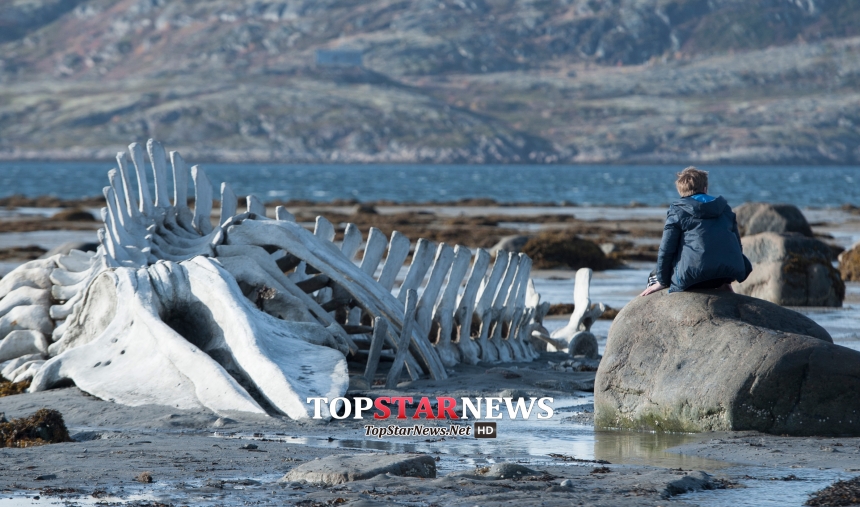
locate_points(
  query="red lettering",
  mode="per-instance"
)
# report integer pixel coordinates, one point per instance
(401, 405)
(446, 408)
(424, 408)
(380, 404)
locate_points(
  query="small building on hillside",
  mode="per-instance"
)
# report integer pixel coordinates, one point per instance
(339, 58)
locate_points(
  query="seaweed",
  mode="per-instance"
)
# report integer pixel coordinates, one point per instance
(563, 249)
(8, 388)
(838, 493)
(46, 426)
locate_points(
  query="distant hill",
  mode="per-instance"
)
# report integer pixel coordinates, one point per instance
(669, 81)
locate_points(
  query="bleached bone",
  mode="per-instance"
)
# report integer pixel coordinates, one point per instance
(505, 288)
(26, 371)
(484, 308)
(281, 213)
(398, 250)
(255, 206)
(280, 281)
(7, 368)
(203, 201)
(514, 308)
(22, 342)
(422, 259)
(469, 349)
(25, 296)
(441, 265)
(404, 339)
(380, 329)
(443, 314)
(263, 351)
(578, 329)
(25, 317)
(373, 252)
(162, 271)
(26, 275)
(349, 247)
(328, 259)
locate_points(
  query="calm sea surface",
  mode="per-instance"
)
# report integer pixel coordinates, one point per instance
(587, 185)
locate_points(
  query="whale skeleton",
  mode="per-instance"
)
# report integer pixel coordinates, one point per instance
(253, 313)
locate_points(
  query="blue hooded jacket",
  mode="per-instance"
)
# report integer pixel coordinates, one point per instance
(700, 243)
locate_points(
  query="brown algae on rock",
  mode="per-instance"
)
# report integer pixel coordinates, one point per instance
(46, 426)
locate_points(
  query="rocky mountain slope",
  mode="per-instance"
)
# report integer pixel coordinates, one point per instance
(677, 81)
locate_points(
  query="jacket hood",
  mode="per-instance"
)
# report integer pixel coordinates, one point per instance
(702, 206)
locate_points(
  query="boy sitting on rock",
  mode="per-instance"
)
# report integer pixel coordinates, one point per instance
(701, 246)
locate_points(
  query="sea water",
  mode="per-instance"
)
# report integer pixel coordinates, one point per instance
(807, 186)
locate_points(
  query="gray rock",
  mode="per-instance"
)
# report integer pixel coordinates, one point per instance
(757, 217)
(583, 343)
(347, 468)
(507, 471)
(717, 361)
(791, 270)
(497, 471)
(513, 243)
(367, 503)
(222, 421)
(695, 481)
(514, 393)
(567, 483)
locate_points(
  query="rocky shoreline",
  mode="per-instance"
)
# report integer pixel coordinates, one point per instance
(202, 458)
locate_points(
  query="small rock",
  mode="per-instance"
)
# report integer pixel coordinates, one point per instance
(249, 447)
(222, 421)
(364, 209)
(345, 468)
(567, 483)
(695, 481)
(46, 477)
(214, 483)
(144, 477)
(504, 372)
(506, 471)
(513, 393)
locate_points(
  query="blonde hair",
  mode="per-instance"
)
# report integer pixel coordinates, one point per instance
(691, 181)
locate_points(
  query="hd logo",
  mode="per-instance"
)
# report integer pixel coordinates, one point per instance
(485, 430)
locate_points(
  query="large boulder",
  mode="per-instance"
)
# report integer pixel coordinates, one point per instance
(757, 217)
(716, 361)
(791, 270)
(849, 264)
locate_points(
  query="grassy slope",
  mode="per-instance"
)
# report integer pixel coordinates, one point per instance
(477, 81)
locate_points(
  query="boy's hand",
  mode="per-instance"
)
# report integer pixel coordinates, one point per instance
(652, 289)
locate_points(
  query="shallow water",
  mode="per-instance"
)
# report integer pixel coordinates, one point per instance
(768, 487)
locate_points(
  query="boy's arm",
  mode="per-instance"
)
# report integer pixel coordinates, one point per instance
(669, 246)
(735, 230)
